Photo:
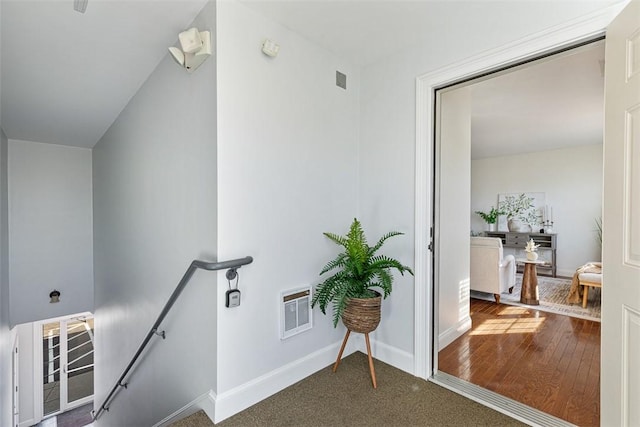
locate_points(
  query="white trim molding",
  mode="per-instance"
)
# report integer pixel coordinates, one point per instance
(447, 337)
(231, 402)
(239, 398)
(558, 37)
(393, 356)
(205, 402)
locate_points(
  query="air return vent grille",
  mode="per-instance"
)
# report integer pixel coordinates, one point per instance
(341, 80)
(295, 311)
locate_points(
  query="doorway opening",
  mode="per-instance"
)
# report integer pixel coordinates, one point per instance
(53, 370)
(67, 363)
(467, 181)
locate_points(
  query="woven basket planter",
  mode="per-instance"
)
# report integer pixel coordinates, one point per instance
(362, 315)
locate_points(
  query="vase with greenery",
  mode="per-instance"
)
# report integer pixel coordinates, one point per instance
(520, 212)
(491, 217)
(359, 272)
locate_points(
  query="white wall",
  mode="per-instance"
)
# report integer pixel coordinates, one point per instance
(5, 334)
(388, 126)
(287, 168)
(50, 223)
(26, 375)
(387, 155)
(154, 212)
(453, 197)
(572, 181)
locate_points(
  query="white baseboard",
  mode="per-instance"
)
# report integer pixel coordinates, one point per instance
(565, 273)
(239, 398)
(450, 335)
(28, 423)
(205, 402)
(393, 356)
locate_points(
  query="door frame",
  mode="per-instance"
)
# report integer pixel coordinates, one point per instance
(426, 236)
(15, 380)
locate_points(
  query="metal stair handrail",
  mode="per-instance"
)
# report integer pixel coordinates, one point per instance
(231, 265)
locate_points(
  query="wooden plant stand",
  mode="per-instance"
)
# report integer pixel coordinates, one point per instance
(372, 371)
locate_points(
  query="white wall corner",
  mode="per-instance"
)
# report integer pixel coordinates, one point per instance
(239, 398)
(390, 355)
(205, 402)
(451, 334)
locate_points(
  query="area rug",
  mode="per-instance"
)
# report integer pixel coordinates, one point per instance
(552, 294)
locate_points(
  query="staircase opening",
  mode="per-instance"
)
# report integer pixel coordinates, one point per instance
(56, 365)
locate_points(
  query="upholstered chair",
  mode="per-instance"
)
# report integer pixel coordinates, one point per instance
(491, 271)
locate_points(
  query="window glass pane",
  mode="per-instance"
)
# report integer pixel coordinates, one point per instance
(79, 359)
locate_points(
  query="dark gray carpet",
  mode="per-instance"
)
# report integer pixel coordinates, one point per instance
(347, 398)
(78, 417)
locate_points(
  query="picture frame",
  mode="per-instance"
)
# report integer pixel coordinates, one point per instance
(539, 202)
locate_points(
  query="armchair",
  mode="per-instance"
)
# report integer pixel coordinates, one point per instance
(490, 271)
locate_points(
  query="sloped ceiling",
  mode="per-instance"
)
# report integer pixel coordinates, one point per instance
(66, 76)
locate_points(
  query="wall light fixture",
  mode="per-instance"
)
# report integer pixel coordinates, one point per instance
(54, 296)
(195, 48)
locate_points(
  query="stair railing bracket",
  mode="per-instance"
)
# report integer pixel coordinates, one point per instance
(231, 273)
(231, 267)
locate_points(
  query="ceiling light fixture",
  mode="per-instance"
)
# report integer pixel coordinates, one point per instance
(80, 5)
(196, 47)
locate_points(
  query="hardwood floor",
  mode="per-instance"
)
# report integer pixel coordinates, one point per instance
(547, 361)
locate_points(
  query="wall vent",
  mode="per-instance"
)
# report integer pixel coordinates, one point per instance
(341, 80)
(295, 311)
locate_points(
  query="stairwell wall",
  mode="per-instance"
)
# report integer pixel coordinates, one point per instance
(5, 332)
(154, 212)
(51, 242)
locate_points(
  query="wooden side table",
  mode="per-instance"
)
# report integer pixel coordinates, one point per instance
(529, 290)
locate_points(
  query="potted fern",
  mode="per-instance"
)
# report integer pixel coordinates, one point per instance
(360, 272)
(353, 288)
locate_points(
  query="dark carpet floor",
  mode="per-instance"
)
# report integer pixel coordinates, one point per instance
(347, 398)
(78, 417)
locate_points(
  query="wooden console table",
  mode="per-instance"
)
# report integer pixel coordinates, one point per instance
(547, 249)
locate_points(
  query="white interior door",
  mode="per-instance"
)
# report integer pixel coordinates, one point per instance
(67, 364)
(620, 391)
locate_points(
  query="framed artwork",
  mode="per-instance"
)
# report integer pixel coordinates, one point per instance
(539, 202)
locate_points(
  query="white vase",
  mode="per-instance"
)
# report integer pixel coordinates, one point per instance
(517, 226)
(532, 256)
(492, 227)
